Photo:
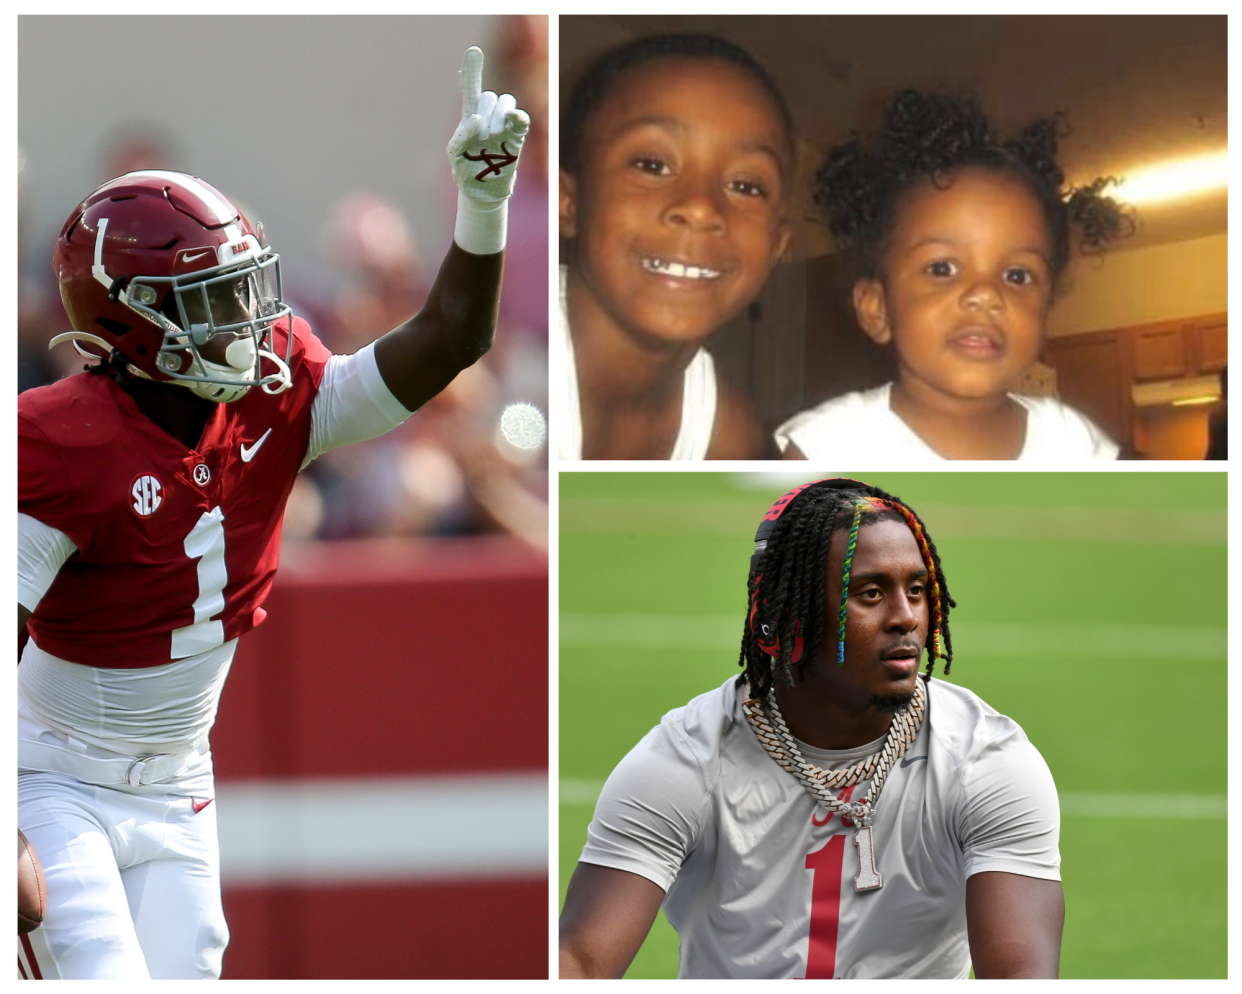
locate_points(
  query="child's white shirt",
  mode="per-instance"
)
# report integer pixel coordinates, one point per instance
(862, 427)
(698, 398)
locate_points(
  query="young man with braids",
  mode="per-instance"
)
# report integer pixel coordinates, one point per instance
(830, 812)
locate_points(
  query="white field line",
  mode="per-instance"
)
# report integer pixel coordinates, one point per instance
(1080, 804)
(1153, 806)
(398, 829)
(959, 522)
(580, 792)
(997, 639)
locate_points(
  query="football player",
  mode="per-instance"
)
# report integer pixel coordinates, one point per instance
(151, 489)
(830, 812)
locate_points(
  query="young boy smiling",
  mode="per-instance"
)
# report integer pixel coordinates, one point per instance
(675, 160)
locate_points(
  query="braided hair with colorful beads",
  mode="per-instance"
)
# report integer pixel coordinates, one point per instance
(788, 576)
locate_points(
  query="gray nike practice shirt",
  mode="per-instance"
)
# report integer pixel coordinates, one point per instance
(760, 884)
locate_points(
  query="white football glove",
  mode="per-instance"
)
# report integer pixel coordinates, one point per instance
(485, 147)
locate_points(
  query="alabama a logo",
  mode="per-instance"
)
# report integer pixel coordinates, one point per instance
(146, 492)
(496, 161)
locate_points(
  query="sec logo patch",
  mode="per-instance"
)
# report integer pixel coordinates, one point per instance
(147, 497)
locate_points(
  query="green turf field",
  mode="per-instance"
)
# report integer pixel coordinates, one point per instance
(1091, 609)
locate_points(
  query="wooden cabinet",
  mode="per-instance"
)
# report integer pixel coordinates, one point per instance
(1096, 371)
(1159, 352)
(1172, 349)
(1093, 376)
(1210, 340)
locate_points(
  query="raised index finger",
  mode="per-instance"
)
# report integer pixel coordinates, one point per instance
(471, 80)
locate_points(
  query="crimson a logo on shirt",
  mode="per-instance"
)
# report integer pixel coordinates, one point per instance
(147, 497)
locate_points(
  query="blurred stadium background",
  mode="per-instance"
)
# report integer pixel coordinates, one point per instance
(1092, 610)
(381, 755)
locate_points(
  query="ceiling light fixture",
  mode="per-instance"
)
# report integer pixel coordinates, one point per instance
(1175, 179)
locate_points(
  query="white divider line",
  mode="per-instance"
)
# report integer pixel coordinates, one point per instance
(1165, 642)
(1074, 804)
(398, 829)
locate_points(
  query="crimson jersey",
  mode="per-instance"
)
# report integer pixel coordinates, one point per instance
(177, 547)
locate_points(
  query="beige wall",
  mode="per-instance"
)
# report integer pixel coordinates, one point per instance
(1140, 286)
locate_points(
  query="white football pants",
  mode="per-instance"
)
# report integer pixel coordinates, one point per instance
(133, 882)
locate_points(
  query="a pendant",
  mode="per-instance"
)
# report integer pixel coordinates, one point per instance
(868, 876)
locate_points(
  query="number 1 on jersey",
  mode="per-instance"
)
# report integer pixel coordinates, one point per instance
(206, 544)
(821, 953)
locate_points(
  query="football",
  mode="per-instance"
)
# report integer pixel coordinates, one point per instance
(31, 895)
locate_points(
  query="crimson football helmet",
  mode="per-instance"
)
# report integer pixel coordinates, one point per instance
(155, 264)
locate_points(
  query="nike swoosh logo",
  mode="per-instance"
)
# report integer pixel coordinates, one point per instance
(907, 762)
(198, 255)
(198, 805)
(248, 453)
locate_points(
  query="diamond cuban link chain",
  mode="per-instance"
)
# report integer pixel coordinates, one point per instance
(773, 734)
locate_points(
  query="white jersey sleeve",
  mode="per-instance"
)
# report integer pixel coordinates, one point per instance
(352, 405)
(1009, 819)
(652, 807)
(41, 552)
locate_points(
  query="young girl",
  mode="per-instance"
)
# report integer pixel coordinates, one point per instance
(676, 153)
(961, 238)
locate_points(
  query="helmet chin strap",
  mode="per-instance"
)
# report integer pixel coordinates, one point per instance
(221, 393)
(285, 378)
(243, 362)
(81, 336)
(76, 337)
